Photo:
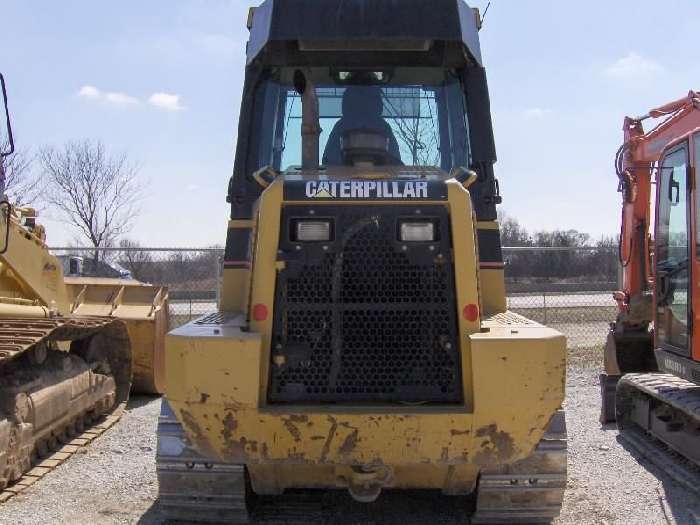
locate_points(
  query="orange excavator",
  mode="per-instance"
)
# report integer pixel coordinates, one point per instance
(651, 379)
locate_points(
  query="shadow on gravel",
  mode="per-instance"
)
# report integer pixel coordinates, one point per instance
(337, 507)
(152, 516)
(140, 400)
(676, 500)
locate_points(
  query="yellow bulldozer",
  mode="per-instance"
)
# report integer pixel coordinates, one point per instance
(68, 347)
(363, 341)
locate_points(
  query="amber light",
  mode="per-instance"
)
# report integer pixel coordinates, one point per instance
(260, 312)
(471, 312)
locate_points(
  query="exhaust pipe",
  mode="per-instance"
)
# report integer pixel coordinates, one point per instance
(310, 126)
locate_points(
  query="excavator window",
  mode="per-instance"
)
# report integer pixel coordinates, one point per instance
(672, 252)
(421, 111)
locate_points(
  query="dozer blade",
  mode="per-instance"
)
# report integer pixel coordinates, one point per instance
(144, 310)
(63, 381)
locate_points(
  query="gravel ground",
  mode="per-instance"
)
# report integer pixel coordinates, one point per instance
(114, 481)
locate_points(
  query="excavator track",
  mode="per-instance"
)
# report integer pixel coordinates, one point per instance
(193, 489)
(659, 415)
(58, 377)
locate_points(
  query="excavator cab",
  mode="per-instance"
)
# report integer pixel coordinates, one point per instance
(363, 341)
(676, 259)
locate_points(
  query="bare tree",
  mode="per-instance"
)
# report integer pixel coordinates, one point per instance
(96, 193)
(21, 183)
(139, 262)
(414, 129)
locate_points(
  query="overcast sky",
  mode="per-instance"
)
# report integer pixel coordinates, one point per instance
(161, 80)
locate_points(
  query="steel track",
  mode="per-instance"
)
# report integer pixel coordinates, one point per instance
(33, 452)
(63, 452)
(530, 491)
(191, 488)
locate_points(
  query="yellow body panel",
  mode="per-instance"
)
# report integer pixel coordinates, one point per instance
(28, 271)
(493, 290)
(212, 376)
(512, 371)
(236, 279)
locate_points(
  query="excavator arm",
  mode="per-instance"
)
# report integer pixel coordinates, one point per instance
(629, 347)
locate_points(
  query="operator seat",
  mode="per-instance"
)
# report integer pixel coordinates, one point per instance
(362, 111)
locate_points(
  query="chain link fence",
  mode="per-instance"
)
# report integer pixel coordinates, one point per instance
(569, 289)
(192, 275)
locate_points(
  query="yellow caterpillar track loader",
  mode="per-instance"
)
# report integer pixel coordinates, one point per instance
(363, 342)
(63, 361)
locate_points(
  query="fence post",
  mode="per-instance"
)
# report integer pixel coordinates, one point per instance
(544, 302)
(218, 260)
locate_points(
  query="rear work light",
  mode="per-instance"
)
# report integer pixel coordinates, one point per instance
(417, 231)
(313, 231)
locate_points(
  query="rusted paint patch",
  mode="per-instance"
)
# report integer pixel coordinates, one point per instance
(350, 443)
(454, 432)
(253, 445)
(191, 426)
(193, 430)
(498, 448)
(203, 397)
(329, 439)
(235, 450)
(230, 426)
(445, 455)
(291, 427)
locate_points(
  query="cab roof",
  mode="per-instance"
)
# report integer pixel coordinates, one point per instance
(283, 29)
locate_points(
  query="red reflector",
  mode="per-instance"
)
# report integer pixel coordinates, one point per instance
(471, 312)
(260, 312)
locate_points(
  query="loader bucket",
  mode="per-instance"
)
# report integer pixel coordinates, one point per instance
(144, 309)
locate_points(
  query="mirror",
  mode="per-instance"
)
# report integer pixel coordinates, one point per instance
(7, 144)
(5, 211)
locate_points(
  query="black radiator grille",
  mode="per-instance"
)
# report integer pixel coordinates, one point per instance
(368, 318)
